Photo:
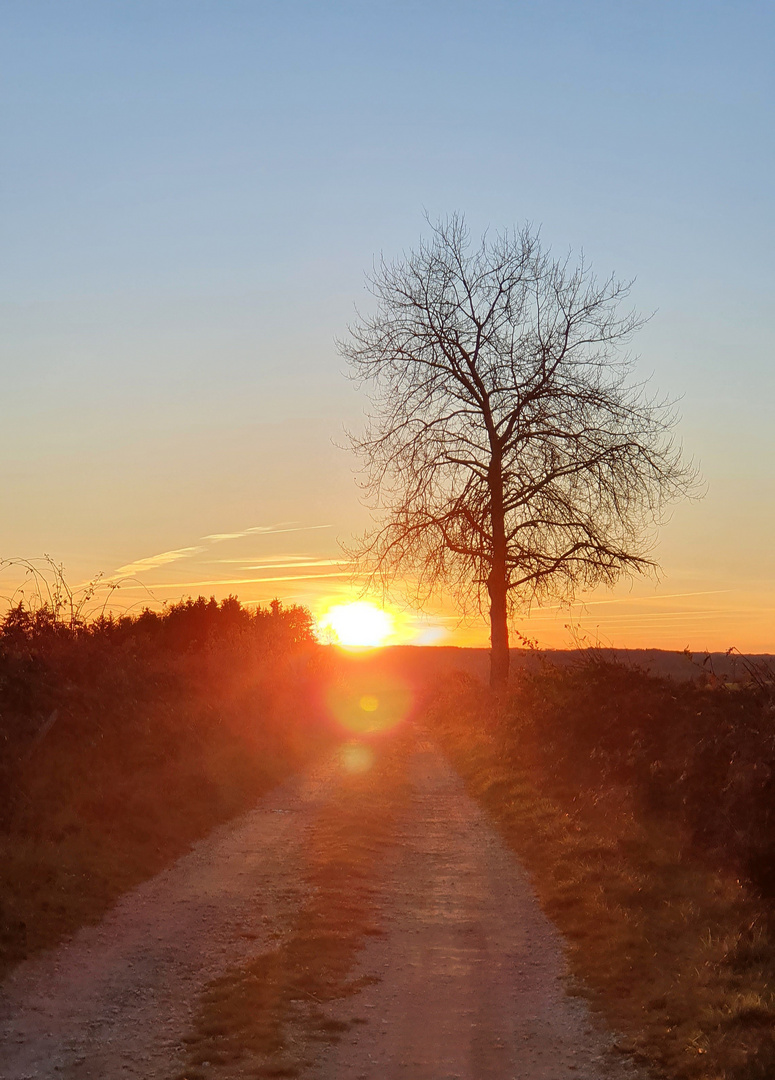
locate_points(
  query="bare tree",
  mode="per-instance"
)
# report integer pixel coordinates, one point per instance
(508, 455)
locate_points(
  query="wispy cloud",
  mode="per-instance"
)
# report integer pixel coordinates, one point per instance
(656, 597)
(250, 580)
(164, 558)
(643, 617)
(301, 565)
(268, 561)
(283, 527)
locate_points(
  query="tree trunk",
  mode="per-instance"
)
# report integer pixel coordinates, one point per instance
(499, 631)
(497, 581)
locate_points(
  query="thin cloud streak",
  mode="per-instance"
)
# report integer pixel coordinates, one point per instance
(276, 560)
(655, 616)
(264, 530)
(249, 581)
(296, 565)
(164, 558)
(580, 604)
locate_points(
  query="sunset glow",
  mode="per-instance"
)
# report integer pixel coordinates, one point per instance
(174, 291)
(356, 625)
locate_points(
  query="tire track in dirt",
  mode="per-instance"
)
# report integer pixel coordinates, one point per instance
(469, 982)
(268, 1017)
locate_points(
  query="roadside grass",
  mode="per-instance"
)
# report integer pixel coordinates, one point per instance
(666, 937)
(153, 742)
(269, 1017)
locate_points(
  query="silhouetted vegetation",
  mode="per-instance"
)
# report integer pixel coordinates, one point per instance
(510, 455)
(126, 738)
(701, 753)
(644, 810)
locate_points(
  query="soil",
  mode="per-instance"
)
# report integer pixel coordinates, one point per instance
(466, 979)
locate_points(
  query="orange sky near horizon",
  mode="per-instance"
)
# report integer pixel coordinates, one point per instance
(299, 563)
(192, 195)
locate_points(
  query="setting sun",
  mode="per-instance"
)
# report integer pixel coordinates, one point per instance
(357, 625)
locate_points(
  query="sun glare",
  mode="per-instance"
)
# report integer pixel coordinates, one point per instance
(357, 625)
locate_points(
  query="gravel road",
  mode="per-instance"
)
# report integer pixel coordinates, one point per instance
(467, 980)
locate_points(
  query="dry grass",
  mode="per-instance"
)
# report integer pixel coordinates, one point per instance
(676, 954)
(269, 1017)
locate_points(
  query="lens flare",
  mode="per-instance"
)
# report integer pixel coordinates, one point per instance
(368, 702)
(356, 758)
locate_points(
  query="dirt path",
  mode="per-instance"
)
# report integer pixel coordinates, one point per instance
(471, 973)
(466, 981)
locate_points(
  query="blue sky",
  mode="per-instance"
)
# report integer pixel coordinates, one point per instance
(191, 193)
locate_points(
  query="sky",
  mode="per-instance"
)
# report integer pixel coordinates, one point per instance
(191, 193)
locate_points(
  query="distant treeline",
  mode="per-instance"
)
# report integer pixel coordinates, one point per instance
(185, 625)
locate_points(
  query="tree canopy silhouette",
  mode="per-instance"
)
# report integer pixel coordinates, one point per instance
(509, 456)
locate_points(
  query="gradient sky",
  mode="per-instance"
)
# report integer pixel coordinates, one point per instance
(191, 192)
